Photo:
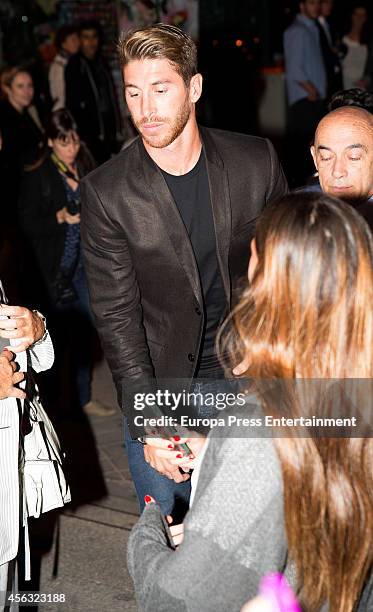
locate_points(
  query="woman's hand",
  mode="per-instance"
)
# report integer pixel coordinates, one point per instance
(72, 219)
(63, 216)
(259, 604)
(241, 368)
(195, 444)
(23, 325)
(60, 215)
(9, 376)
(161, 455)
(177, 531)
(167, 457)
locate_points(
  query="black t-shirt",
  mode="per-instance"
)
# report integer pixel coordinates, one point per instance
(191, 193)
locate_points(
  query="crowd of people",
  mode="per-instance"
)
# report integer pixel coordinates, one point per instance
(189, 256)
(319, 61)
(42, 160)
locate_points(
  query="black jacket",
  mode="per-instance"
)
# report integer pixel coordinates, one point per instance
(82, 99)
(142, 274)
(42, 195)
(21, 138)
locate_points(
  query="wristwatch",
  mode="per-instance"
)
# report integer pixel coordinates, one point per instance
(142, 440)
(44, 320)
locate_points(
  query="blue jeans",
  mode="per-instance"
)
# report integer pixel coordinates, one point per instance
(172, 497)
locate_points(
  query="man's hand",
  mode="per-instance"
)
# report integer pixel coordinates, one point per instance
(9, 376)
(312, 93)
(164, 456)
(160, 453)
(24, 326)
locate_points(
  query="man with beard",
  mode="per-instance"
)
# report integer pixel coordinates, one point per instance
(343, 156)
(166, 228)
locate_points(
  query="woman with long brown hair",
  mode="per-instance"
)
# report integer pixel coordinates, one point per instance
(294, 500)
(307, 315)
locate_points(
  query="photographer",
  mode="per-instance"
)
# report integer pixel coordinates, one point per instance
(49, 213)
(24, 332)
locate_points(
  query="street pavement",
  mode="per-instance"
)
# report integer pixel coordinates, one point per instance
(81, 552)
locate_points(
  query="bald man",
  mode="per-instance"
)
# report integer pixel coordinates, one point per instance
(343, 154)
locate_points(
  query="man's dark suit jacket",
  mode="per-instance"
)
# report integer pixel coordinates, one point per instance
(142, 274)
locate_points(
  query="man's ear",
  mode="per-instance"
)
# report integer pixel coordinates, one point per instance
(50, 143)
(313, 153)
(195, 88)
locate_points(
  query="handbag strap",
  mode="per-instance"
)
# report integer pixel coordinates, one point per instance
(29, 410)
(29, 415)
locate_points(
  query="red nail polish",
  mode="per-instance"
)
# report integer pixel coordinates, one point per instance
(147, 499)
(179, 456)
(176, 438)
(170, 446)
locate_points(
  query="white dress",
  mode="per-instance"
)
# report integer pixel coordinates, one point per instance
(353, 63)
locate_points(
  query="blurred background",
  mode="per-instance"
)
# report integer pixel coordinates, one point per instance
(240, 47)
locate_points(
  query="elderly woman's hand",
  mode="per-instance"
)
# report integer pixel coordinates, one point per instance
(22, 325)
(9, 376)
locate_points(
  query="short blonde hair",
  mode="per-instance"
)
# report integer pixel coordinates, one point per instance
(160, 41)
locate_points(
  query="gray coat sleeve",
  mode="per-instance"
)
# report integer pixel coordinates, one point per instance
(234, 534)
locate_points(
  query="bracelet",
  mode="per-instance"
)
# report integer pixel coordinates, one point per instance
(44, 320)
(142, 440)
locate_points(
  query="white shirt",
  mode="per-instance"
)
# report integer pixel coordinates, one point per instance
(353, 63)
(57, 81)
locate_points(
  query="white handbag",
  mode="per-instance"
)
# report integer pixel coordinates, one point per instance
(45, 485)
